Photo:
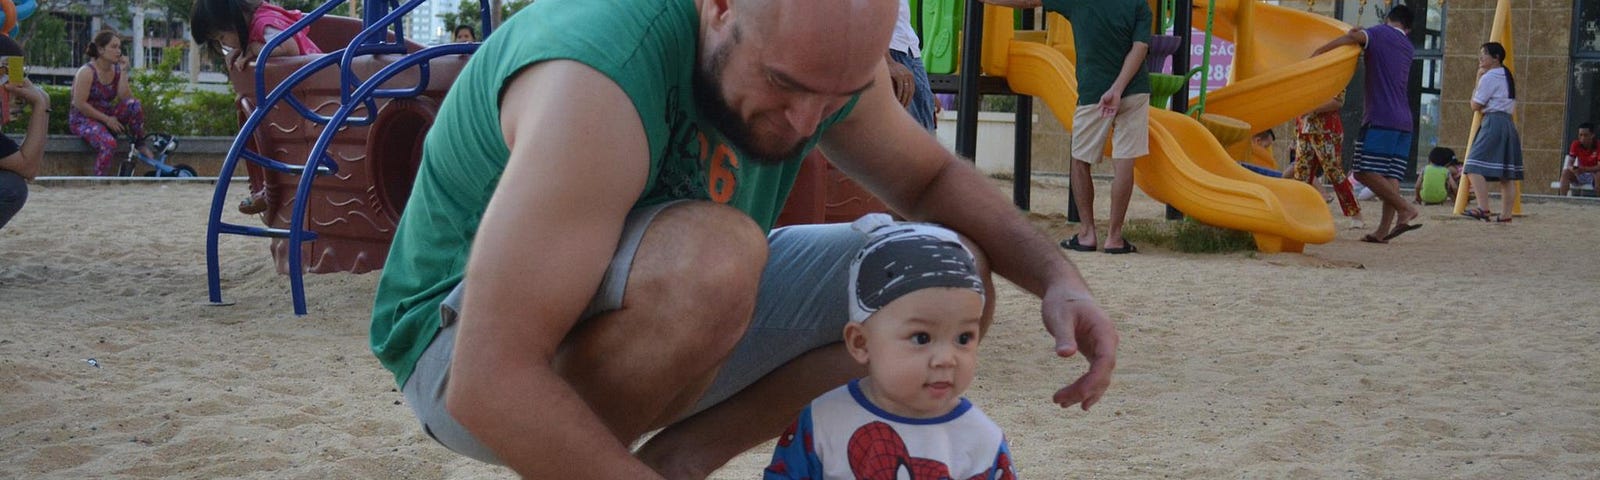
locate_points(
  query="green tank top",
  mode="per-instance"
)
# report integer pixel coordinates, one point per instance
(1433, 183)
(649, 48)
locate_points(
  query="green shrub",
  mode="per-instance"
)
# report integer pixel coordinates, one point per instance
(170, 106)
(60, 103)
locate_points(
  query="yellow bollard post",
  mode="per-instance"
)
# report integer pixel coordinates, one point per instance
(1499, 32)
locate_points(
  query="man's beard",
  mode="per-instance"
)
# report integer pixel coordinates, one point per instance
(714, 108)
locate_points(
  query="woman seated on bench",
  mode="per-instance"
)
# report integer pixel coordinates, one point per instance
(102, 103)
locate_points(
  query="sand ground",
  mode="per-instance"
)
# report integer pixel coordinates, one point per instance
(1461, 350)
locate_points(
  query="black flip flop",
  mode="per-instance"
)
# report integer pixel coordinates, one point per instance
(1372, 239)
(1072, 244)
(1127, 247)
(1400, 229)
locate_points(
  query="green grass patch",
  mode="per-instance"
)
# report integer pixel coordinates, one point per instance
(1188, 236)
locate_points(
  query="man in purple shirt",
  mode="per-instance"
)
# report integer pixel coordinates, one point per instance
(1384, 143)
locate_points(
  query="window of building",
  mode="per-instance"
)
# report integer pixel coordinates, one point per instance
(1583, 91)
(1427, 75)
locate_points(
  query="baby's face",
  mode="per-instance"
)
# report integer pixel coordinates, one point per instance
(922, 351)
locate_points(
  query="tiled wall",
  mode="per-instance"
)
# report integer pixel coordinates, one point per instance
(1540, 37)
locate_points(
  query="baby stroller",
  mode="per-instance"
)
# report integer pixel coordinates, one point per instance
(160, 145)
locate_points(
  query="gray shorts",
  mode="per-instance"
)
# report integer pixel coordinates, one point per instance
(801, 305)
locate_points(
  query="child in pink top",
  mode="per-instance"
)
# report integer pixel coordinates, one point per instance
(219, 24)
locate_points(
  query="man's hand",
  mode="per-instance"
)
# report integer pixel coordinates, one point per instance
(29, 93)
(1079, 325)
(1110, 102)
(904, 83)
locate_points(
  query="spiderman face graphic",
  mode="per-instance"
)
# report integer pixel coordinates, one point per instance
(878, 453)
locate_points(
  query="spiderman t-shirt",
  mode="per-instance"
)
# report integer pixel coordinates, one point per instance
(842, 435)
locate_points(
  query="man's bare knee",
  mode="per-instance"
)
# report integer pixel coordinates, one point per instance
(699, 265)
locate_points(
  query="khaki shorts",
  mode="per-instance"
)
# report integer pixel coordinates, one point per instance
(1131, 127)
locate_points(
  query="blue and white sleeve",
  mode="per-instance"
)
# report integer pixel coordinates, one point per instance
(795, 457)
(1002, 463)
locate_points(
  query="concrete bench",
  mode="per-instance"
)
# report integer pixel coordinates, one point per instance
(1578, 189)
(68, 155)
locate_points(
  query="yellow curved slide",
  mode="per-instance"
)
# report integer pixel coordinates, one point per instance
(1275, 80)
(1187, 168)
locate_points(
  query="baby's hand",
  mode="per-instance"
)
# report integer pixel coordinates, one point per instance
(235, 60)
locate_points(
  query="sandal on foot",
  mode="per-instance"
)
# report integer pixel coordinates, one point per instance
(1400, 229)
(1502, 219)
(1127, 247)
(253, 204)
(1072, 244)
(1478, 213)
(1370, 238)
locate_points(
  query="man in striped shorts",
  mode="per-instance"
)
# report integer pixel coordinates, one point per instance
(1384, 143)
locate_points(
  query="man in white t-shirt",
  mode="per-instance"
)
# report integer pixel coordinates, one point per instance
(905, 69)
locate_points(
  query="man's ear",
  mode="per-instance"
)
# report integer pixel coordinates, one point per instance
(855, 341)
(718, 12)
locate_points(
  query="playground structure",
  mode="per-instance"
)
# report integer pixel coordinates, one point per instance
(350, 121)
(1191, 167)
(383, 92)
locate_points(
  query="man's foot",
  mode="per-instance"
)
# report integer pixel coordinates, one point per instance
(1073, 244)
(1478, 213)
(1405, 218)
(1370, 238)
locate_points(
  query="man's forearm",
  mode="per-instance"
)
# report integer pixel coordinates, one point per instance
(1341, 41)
(1130, 66)
(32, 149)
(33, 145)
(564, 439)
(962, 199)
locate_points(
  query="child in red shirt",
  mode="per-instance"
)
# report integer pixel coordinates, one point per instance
(1586, 161)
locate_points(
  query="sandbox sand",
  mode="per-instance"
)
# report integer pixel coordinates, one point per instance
(1462, 350)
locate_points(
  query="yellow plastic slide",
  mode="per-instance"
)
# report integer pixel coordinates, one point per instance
(1275, 80)
(1187, 168)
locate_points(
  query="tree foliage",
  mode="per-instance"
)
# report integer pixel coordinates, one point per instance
(468, 13)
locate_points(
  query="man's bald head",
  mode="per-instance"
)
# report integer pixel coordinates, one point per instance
(771, 70)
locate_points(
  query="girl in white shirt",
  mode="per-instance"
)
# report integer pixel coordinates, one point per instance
(1496, 151)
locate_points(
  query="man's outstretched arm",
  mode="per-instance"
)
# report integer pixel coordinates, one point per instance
(578, 163)
(1354, 37)
(881, 146)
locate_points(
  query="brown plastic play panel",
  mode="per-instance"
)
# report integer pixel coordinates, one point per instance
(353, 212)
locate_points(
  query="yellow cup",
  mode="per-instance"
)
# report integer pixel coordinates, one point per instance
(14, 70)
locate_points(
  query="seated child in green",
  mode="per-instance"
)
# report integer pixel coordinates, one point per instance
(916, 306)
(1437, 183)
